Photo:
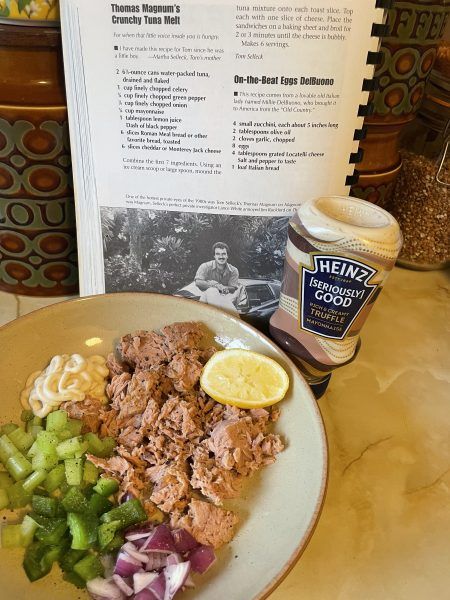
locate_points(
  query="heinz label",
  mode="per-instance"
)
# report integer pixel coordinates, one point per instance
(339, 252)
(332, 294)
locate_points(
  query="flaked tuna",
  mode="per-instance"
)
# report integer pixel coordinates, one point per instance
(174, 442)
(208, 524)
(88, 411)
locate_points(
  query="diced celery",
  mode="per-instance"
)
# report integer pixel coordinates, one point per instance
(68, 448)
(75, 426)
(34, 480)
(100, 447)
(74, 470)
(8, 428)
(26, 415)
(109, 444)
(47, 441)
(11, 536)
(21, 439)
(28, 528)
(47, 462)
(18, 498)
(90, 474)
(99, 504)
(55, 478)
(47, 507)
(38, 421)
(128, 513)
(95, 443)
(75, 501)
(82, 450)
(52, 533)
(33, 450)
(106, 532)
(7, 449)
(5, 480)
(18, 466)
(56, 420)
(106, 486)
(64, 487)
(64, 434)
(4, 499)
(89, 567)
(34, 429)
(83, 528)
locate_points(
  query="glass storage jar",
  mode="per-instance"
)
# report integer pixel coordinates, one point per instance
(421, 196)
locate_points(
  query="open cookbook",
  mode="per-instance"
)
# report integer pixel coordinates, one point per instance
(197, 123)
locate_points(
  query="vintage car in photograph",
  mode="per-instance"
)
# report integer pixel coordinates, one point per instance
(257, 301)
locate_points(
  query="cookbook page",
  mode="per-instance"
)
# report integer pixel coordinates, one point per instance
(197, 111)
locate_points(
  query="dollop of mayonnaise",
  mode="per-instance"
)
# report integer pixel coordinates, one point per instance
(67, 378)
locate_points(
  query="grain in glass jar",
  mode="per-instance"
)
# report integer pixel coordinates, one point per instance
(421, 196)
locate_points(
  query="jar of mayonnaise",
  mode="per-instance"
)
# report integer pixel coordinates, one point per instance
(339, 252)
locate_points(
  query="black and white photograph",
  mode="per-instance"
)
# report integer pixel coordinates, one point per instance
(234, 262)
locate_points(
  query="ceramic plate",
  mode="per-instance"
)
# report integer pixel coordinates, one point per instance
(279, 506)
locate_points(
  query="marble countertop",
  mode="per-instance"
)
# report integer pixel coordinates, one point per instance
(384, 530)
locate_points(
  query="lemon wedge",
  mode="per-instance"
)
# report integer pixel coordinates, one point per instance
(244, 378)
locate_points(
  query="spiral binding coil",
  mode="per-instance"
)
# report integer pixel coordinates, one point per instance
(369, 85)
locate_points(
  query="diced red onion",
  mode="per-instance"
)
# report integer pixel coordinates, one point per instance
(158, 586)
(146, 594)
(123, 585)
(183, 540)
(131, 549)
(156, 561)
(126, 565)
(139, 531)
(104, 589)
(161, 540)
(201, 558)
(174, 559)
(108, 563)
(143, 580)
(140, 542)
(132, 537)
(172, 553)
(176, 576)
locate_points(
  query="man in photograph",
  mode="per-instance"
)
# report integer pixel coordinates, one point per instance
(218, 280)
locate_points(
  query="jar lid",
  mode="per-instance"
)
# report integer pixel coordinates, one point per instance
(332, 218)
(31, 37)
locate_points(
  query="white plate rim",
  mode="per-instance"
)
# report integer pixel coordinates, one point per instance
(315, 516)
